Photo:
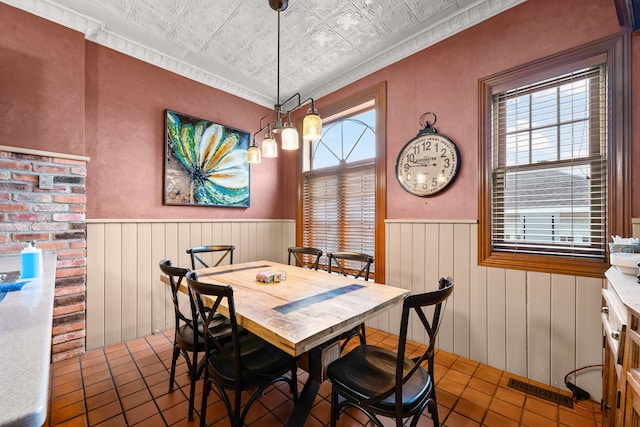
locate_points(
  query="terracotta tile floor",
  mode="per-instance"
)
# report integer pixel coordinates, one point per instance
(127, 384)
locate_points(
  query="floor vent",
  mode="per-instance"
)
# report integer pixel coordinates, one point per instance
(542, 393)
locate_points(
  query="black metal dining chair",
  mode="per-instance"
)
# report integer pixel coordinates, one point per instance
(222, 251)
(188, 340)
(358, 266)
(245, 363)
(305, 256)
(378, 381)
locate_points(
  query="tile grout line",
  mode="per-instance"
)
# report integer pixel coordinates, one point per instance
(153, 398)
(115, 386)
(449, 365)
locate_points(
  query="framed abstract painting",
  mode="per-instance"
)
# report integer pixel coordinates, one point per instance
(205, 163)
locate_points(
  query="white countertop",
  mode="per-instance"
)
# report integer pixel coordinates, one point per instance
(26, 318)
(626, 286)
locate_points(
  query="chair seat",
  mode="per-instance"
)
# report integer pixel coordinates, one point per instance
(366, 371)
(184, 335)
(261, 360)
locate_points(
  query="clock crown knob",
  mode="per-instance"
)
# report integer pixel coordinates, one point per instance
(427, 125)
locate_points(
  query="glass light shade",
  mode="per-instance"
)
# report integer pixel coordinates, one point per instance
(289, 138)
(312, 126)
(253, 154)
(269, 147)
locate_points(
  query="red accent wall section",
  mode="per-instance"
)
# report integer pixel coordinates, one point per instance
(60, 93)
(41, 84)
(444, 79)
(126, 99)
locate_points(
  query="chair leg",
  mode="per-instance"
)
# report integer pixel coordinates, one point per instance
(203, 405)
(335, 413)
(176, 352)
(433, 409)
(194, 377)
(237, 406)
(363, 335)
(294, 382)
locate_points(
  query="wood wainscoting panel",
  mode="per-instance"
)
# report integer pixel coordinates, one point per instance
(516, 321)
(125, 297)
(537, 325)
(539, 320)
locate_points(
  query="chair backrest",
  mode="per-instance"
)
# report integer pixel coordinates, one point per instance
(416, 304)
(175, 275)
(305, 257)
(207, 312)
(221, 250)
(405, 366)
(353, 264)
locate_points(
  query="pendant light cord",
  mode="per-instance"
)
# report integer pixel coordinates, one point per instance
(278, 68)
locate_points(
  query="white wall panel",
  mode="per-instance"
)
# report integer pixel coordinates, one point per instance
(516, 321)
(462, 306)
(478, 302)
(496, 318)
(125, 297)
(144, 277)
(563, 333)
(539, 334)
(128, 281)
(533, 324)
(95, 286)
(159, 294)
(113, 283)
(589, 334)
(419, 264)
(445, 246)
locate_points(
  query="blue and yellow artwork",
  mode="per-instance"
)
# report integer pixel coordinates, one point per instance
(205, 163)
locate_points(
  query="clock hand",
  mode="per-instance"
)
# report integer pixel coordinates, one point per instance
(414, 164)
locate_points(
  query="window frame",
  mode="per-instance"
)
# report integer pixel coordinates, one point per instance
(376, 93)
(614, 51)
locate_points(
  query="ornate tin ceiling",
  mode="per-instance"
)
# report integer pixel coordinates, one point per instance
(231, 44)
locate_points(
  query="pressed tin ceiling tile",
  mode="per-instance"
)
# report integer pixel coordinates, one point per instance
(231, 44)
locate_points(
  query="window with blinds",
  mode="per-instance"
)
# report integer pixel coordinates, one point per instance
(548, 171)
(339, 187)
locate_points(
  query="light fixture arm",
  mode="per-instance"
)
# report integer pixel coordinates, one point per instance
(312, 123)
(287, 113)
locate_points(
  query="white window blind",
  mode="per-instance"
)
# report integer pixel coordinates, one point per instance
(549, 167)
(339, 208)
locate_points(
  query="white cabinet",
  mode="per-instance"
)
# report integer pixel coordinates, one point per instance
(621, 372)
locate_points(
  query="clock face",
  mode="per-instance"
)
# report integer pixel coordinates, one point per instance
(427, 164)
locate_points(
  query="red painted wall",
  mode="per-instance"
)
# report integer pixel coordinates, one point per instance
(41, 84)
(444, 79)
(126, 99)
(61, 93)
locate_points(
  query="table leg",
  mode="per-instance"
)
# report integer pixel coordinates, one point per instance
(317, 358)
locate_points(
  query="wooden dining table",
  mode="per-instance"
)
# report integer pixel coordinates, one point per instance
(302, 314)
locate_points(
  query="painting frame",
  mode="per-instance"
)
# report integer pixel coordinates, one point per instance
(205, 163)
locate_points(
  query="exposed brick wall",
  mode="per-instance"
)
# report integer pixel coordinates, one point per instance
(55, 219)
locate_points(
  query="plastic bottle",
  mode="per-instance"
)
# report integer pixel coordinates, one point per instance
(30, 261)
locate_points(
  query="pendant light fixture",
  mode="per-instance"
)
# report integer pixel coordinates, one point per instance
(311, 125)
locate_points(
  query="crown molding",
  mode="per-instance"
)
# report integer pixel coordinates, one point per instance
(96, 32)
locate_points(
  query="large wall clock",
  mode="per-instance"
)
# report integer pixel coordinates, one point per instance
(428, 163)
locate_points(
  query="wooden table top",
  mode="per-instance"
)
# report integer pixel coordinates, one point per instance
(307, 309)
